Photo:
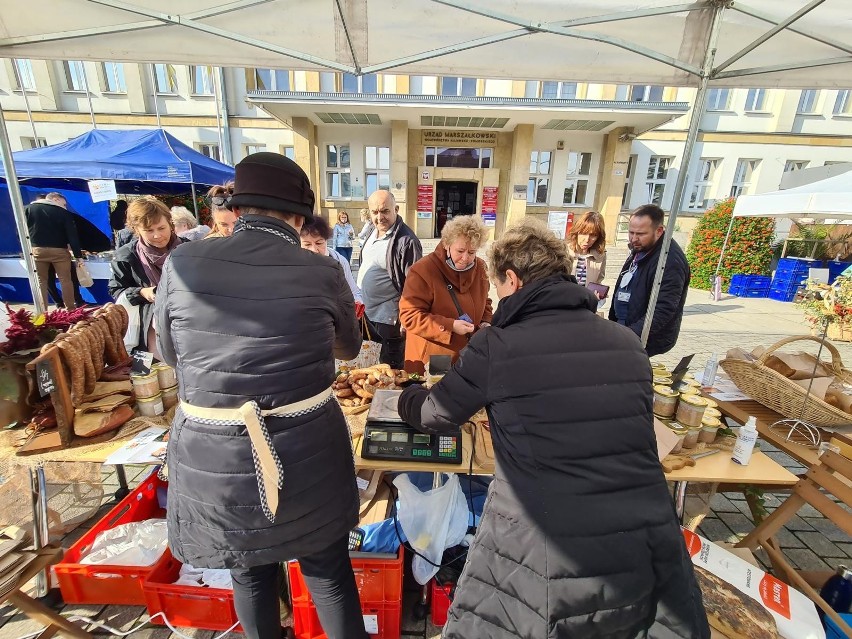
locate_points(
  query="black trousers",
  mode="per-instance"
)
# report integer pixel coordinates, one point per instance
(392, 341)
(331, 582)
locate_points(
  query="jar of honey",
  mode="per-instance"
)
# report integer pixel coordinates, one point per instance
(665, 401)
(690, 410)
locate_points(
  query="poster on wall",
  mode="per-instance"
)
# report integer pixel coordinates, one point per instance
(425, 201)
(489, 199)
(560, 223)
(490, 219)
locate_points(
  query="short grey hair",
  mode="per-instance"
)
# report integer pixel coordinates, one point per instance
(56, 197)
(182, 215)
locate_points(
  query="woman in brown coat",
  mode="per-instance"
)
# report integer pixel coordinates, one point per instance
(587, 247)
(435, 323)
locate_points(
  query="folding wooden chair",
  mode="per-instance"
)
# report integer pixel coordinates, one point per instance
(53, 621)
(829, 478)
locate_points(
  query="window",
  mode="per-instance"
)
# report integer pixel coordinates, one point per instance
(248, 149)
(202, 80)
(795, 165)
(658, 175)
(628, 182)
(808, 101)
(378, 168)
(33, 143)
(537, 186)
(328, 82)
(289, 152)
(699, 198)
(559, 90)
(843, 103)
(458, 86)
(415, 85)
(646, 93)
(75, 75)
(114, 77)
(210, 150)
(577, 178)
(743, 177)
(360, 84)
(166, 78)
(338, 184)
(756, 100)
(718, 99)
(458, 158)
(272, 80)
(24, 75)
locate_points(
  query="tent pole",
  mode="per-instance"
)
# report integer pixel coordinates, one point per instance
(26, 101)
(88, 94)
(217, 99)
(20, 218)
(688, 147)
(194, 201)
(724, 246)
(154, 93)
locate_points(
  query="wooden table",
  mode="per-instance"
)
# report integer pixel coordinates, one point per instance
(740, 412)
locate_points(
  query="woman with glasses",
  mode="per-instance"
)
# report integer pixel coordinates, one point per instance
(342, 236)
(579, 536)
(223, 217)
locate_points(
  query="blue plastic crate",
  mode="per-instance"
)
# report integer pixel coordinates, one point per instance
(759, 292)
(836, 268)
(782, 295)
(831, 629)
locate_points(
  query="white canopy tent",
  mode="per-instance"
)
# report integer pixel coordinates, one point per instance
(754, 43)
(829, 199)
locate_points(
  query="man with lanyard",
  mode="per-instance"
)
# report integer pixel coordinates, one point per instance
(259, 459)
(387, 255)
(634, 284)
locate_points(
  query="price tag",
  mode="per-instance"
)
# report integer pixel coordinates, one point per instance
(371, 624)
(142, 361)
(44, 375)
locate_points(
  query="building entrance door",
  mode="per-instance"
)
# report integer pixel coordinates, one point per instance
(451, 199)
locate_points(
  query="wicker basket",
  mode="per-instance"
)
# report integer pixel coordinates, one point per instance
(783, 395)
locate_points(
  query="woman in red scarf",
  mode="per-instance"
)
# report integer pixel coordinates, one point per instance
(137, 266)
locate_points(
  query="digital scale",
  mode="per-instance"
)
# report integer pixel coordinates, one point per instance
(386, 436)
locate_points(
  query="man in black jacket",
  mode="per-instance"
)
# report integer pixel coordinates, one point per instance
(387, 255)
(634, 284)
(52, 232)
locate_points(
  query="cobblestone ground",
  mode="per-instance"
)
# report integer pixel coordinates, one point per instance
(810, 541)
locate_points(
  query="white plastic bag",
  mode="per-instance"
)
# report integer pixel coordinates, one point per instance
(432, 522)
(83, 275)
(139, 543)
(134, 314)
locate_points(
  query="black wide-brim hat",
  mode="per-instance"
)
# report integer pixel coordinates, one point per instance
(272, 181)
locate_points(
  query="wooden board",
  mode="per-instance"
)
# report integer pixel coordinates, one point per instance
(761, 470)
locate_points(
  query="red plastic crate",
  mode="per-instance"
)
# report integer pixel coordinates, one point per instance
(187, 606)
(388, 617)
(104, 583)
(440, 602)
(378, 580)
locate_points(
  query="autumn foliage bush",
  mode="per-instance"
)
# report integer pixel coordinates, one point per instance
(749, 250)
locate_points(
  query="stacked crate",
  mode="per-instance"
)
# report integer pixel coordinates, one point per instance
(750, 285)
(789, 276)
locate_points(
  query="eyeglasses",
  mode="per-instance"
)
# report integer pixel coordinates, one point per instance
(220, 200)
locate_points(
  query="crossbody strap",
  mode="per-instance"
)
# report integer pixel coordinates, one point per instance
(453, 295)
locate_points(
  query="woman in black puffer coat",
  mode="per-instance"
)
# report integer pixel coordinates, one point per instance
(579, 536)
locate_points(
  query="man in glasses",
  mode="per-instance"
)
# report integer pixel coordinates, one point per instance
(224, 218)
(634, 283)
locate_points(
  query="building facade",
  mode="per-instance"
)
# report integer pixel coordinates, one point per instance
(446, 145)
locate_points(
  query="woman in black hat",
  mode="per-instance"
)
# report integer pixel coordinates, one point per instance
(260, 458)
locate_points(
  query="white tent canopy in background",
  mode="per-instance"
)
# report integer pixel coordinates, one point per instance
(661, 42)
(829, 198)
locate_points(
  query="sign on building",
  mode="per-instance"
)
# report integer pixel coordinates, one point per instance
(432, 137)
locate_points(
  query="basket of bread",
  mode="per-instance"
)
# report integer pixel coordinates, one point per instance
(796, 385)
(354, 389)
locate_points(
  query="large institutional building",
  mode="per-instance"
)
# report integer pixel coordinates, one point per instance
(447, 145)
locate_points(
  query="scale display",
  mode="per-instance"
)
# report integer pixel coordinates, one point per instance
(386, 436)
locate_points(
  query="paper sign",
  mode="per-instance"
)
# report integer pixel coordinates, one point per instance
(490, 219)
(489, 199)
(142, 361)
(363, 484)
(147, 447)
(666, 439)
(44, 374)
(424, 175)
(560, 222)
(371, 624)
(102, 190)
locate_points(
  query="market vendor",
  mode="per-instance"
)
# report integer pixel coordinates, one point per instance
(579, 536)
(445, 298)
(259, 457)
(138, 266)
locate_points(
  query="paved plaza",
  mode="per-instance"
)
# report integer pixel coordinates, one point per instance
(809, 540)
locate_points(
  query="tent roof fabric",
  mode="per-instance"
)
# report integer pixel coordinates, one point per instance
(657, 42)
(829, 198)
(127, 156)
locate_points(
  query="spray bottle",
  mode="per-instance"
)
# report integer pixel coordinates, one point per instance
(745, 442)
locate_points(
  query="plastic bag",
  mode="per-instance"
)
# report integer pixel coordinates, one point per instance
(432, 521)
(131, 337)
(83, 275)
(139, 543)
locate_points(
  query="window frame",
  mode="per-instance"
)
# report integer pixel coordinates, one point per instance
(647, 92)
(486, 156)
(537, 178)
(33, 143)
(343, 173)
(193, 76)
(170, 78)
(702, 185)
(804, 103)
(751, 95)
(713, 96)
(652, 182)
(795, 165)
(114, 70)
(273, 78)
(843, 102)
(253, 147)
(202, 147)
(359, 83)
(577, 177)
(562, 90)
(288, 151)
(460, 83)
(741, 185)
(378, 172)
(70, 77)
(628, 181)
(27, 72)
